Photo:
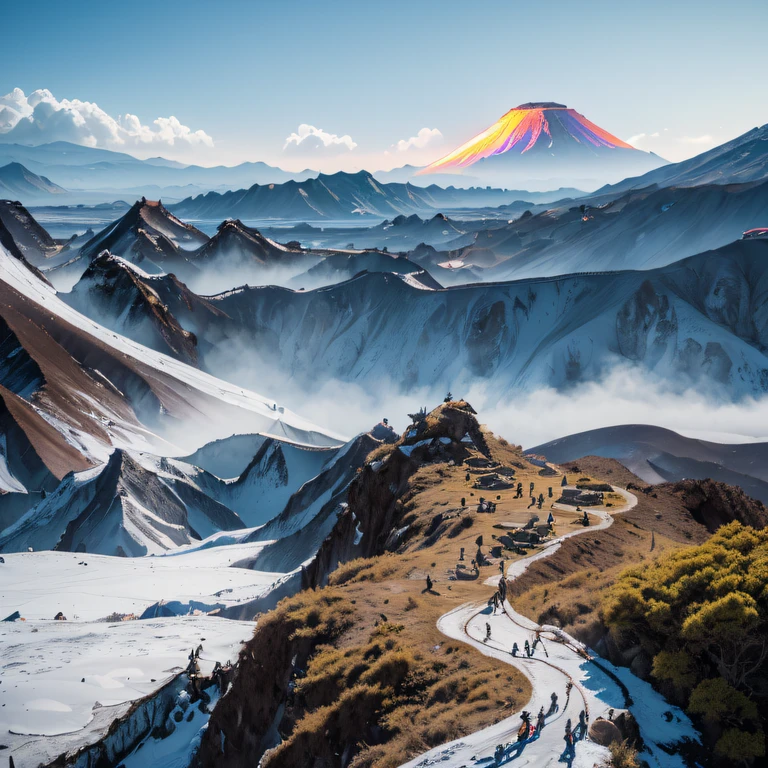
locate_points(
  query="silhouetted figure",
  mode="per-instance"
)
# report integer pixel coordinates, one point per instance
(525, 727)
(515, 649)
(582, 724)
(553, 704)
(429, 583)
(540, 720)
(527, 649)
(487, 631)
(570, 748)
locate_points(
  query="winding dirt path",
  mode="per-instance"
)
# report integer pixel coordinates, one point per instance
(557, 661)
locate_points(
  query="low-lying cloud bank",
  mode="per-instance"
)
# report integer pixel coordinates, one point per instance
(626, 396)
(41, 118)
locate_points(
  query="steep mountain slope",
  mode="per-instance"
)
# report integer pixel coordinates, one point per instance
(274, 474)
(701, 318)
(32, 239)
(235, 243)
(148, 231)
(238, 254)
(657, 455)
(638, 230)
(743, 159)
(34, 457)
(147, 235)
(124, 507)
(19, 182)
(311, 513)
(545, 140)
(102, 389)
(126, 299)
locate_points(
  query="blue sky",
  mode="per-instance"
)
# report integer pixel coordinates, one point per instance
(248, 74)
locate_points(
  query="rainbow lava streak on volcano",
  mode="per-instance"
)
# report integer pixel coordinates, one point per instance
(540, 125)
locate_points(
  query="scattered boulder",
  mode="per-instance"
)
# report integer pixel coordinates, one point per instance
(604, 732)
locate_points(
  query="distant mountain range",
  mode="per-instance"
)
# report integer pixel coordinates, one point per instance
(96, 175)
(699, 320)
(545, 141)
(638, 229)
(18, 182)
(741, 160)
(344, 196)
(660, 455)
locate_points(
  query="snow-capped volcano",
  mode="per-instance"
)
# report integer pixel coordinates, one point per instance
(544, 140)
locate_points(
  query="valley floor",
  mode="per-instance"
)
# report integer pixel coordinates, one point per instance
(62, 683)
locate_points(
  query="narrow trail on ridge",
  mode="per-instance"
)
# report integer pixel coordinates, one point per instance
(548, 670)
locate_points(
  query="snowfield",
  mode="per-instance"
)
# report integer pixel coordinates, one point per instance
(88, 587)
(63, 682)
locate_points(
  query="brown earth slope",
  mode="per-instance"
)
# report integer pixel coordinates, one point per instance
(353, 671)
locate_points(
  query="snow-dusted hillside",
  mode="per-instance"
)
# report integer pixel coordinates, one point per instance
(114, 391)
(642, 229)
(702, 319)
(120, 508)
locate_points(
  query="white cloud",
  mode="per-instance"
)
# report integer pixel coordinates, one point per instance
(41, 118)
(426, 137)
(313, 142)
(644, 138)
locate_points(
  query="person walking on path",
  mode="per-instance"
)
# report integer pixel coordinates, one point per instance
(553, 704)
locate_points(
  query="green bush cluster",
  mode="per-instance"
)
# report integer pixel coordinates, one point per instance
(702, 615)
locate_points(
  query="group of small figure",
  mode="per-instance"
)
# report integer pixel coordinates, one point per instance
(528, 731)
(572, 735)
(529, 649)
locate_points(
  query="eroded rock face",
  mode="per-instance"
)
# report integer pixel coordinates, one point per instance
(486, 335)
(645, 325)
(716, 504)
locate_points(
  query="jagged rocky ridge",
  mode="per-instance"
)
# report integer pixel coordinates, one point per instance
(700, 319)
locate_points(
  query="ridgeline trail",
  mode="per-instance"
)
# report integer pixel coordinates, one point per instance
(558, 660)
